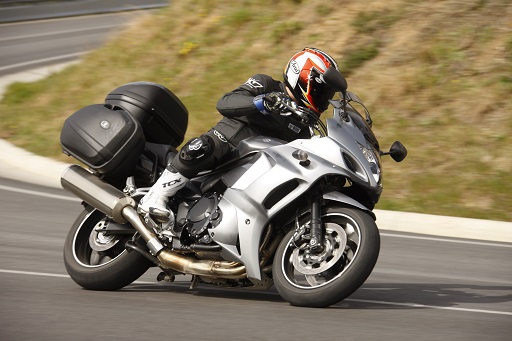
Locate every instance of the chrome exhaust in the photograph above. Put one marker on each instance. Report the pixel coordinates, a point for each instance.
(121, 208)
(181, 263)
(96, 192)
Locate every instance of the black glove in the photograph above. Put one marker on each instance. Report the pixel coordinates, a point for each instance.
(273, 103)
(277, 102)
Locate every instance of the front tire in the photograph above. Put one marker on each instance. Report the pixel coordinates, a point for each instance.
(351, 249)
(98, 261)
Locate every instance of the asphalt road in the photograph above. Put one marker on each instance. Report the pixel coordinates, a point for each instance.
(31, 44)
(422, 287)
(25, 10)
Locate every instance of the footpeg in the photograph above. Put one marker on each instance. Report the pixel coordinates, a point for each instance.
(156, 214)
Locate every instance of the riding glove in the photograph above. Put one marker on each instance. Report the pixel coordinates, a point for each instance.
(272, 103)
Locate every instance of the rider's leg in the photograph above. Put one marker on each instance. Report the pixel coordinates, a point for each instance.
(199, 154)
(155, 201)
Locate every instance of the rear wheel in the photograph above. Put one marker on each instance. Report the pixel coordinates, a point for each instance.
(97, 260)
(351, 248)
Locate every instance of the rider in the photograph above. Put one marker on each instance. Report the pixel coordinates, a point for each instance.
(252, 109)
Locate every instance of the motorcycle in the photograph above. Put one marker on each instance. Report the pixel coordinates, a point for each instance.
(295, 215)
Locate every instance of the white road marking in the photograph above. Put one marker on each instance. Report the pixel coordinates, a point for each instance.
(41, 194)
(445, 240)
(445, 276)
(413, 305)
(46, 274)
(410, 305)
(44, 60)
(48, 34)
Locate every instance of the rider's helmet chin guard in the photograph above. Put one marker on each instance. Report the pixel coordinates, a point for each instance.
(302, 77)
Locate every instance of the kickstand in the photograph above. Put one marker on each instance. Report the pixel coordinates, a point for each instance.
(194, 282)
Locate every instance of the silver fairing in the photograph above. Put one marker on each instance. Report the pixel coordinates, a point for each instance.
(276, 177)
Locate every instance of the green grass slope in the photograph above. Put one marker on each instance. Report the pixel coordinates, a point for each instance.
(435, 75)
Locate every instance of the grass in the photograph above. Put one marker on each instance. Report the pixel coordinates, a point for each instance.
(435, 75)
(355, 58)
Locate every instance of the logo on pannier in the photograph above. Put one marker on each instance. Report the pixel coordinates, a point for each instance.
(105, 124)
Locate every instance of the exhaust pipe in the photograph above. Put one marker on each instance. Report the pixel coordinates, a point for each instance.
(121, 208)
(95, 192)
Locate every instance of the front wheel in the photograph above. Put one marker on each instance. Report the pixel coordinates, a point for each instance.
(97, 260)
(351, 248)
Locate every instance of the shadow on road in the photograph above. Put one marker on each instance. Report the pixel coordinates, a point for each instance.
(269, 295)
(404, 295)
(445, 295)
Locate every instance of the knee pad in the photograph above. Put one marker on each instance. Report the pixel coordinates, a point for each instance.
(200, 154)
(196, 149)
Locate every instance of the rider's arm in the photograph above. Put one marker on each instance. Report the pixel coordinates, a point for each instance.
(240, 102)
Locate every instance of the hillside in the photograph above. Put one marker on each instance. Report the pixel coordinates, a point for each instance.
(435, 75)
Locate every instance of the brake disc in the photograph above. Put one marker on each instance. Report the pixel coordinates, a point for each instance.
(311, 264)
(98, 240)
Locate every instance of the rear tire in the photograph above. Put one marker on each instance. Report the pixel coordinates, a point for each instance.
(352, 244)
(97, 261)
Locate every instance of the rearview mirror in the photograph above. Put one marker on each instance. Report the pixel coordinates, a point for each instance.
(335, 80)
(397, 151)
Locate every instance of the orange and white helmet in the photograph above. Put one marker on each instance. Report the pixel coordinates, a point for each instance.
(302, 77)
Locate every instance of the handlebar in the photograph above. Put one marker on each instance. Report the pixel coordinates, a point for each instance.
(305, 115)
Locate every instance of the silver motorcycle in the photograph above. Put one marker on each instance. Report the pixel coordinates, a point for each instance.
(296, 215)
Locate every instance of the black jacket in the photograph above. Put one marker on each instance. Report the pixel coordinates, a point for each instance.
(242, 119)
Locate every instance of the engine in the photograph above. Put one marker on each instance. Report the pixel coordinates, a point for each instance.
(203, 215)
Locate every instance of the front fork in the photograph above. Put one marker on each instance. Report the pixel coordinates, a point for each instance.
(315, 241)
(314, 238)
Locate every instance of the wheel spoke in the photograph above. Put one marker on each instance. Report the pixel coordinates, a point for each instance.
(93, 246)
(95, 258)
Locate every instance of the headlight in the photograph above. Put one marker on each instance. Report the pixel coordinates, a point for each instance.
(372, 159)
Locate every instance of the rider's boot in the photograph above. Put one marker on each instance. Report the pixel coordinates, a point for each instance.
(154, 202)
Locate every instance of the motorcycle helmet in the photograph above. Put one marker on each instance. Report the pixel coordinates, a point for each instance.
(302, 77)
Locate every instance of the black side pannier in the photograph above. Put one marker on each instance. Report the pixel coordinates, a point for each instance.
(162, 115)
(105, 138)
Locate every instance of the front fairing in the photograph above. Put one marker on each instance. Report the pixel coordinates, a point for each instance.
(351, 144)
(363, 126)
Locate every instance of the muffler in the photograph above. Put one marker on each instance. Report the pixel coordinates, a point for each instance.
(96, 192)
(121, 208)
